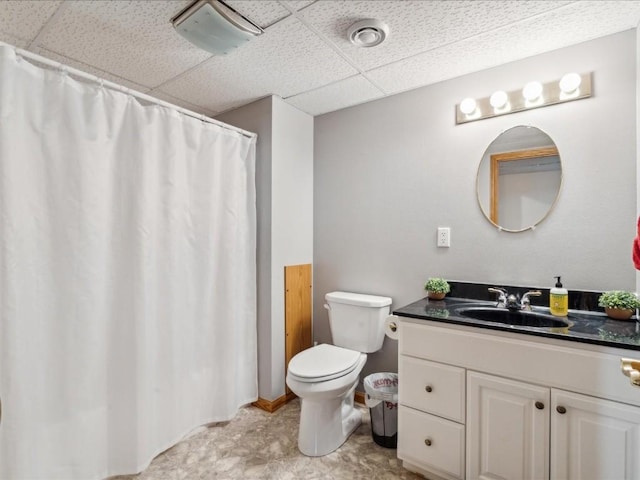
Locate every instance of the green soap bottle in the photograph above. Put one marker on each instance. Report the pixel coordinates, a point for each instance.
(559, 300)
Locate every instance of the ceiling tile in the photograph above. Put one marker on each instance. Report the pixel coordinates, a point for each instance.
(15, 41)
(23, 19)
(297, 4)
(415, 26)
(260, 12)
(304, 55)
(181, 103)
(563, 27)
(284, 61)
(89, 69)
(130, 39)
(342, 94)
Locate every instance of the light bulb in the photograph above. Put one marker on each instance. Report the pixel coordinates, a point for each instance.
(468, 106)
(570, 82)
(499, 99)
(532, 91)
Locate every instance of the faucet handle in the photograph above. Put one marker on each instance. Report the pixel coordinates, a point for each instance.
(502, 295)
(525, 302)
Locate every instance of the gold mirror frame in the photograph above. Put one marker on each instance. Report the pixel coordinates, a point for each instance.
(496, 159)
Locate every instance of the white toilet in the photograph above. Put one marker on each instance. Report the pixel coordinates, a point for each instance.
(325, 376)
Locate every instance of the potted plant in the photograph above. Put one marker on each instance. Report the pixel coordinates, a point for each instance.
(619, 304)
(437, 288)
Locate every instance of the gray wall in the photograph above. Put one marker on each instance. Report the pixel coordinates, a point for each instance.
(388, 173)
(284, 185)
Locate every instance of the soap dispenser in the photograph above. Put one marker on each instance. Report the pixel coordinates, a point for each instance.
(559, 300)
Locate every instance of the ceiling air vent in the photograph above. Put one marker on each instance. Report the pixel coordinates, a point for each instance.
(368, 33)
(214, 26)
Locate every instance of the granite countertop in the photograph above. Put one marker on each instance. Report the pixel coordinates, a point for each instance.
(585, 326)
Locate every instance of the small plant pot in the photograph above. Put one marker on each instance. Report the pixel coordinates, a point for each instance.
(436, 295)
(619, 313)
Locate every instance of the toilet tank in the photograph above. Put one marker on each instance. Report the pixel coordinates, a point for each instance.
(357, 320)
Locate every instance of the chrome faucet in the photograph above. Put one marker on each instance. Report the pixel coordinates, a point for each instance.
(514, 302)
(525, 302)
(502, 296)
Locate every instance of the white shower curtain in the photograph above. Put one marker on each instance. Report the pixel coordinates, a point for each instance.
(127, 276)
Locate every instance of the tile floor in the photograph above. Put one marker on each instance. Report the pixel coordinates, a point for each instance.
(260, 445)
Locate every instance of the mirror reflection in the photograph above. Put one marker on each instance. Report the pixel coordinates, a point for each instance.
(519, 178)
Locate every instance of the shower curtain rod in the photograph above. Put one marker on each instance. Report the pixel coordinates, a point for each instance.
(114, 86)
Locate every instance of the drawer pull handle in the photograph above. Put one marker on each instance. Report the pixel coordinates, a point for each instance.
(428, 388)
(427, 442)
(540, 405)
(631, 368)
(561, 410)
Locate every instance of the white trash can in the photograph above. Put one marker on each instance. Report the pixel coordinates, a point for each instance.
(382, 399)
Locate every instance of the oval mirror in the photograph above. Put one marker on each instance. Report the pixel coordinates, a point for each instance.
(519, 178)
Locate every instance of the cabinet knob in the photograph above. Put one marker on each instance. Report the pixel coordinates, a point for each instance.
(561, 410)
(427, 442)
(540, 405)
(428, 388)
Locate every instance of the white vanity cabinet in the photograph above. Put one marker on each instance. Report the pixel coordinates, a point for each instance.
(507, 428)
(592, 438)
(431, 416)
(483, 404)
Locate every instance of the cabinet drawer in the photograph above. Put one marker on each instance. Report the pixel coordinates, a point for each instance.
(589, 369)
(432, 387)
(445, 453)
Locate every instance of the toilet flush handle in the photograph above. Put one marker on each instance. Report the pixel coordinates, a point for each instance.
(326, 305)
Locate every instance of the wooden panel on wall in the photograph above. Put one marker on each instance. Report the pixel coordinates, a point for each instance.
(297, 310)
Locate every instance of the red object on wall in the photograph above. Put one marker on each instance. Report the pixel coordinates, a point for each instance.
(636, 247)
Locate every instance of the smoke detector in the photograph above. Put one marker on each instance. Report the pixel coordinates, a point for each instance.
(368, 33)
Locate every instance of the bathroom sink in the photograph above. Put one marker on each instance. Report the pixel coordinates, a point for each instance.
(521, 318)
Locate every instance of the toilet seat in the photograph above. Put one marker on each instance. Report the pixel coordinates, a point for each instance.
(323, 362)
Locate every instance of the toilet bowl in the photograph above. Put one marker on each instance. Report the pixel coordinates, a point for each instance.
(325, 376)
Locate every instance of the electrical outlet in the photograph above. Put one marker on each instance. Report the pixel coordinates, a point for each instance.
(444, 237)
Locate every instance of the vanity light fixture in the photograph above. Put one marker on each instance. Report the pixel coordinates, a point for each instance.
(570, 82)
(468, 106)
(532, 93)
(499, 101)
(572, 86)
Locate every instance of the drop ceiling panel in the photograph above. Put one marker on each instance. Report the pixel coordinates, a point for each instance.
(130, 39)
(15, 41)
(288, 59)
(564, 27)
(261, 12)
(415, 26)
(345, 93)
(297, 4)
(23, 19)
(184, 104)
(89, 69)
(304, 55)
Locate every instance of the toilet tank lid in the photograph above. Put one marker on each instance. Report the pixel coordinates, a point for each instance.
(359, 299)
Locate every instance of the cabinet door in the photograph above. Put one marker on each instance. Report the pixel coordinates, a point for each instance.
(592, 438)
(507, 429)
